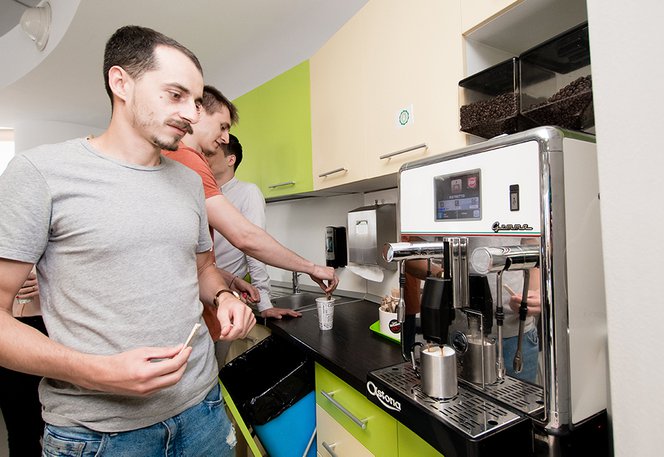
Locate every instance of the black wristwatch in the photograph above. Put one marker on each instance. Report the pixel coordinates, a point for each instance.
(228, 291)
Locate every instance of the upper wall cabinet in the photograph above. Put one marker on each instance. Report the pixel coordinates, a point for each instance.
(275, 132)
(339, 107)
(384, 90)
(416, 62)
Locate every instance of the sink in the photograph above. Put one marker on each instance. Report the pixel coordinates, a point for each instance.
(297, 301)
(306, 301)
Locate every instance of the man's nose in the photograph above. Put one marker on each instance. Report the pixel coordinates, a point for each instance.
(191, 112)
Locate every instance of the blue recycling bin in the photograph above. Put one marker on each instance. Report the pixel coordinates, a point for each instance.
(290, 433)
(272, 385)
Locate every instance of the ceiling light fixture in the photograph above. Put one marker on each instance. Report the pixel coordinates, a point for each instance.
(36, 23)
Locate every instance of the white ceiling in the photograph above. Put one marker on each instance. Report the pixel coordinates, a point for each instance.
(240, 43)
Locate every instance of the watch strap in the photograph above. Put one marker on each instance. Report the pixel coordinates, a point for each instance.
(221, 291)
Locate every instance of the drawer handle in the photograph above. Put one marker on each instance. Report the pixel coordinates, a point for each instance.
(362, 423)
(396, 153)
(281, 184)
(330, 448)
(331, 172)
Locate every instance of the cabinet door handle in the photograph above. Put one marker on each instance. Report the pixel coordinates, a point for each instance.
(330, 448)
(281, 184)
(331, 172)
(401, 151)
(362, 423)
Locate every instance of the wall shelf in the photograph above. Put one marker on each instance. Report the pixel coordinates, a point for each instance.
(518, 28)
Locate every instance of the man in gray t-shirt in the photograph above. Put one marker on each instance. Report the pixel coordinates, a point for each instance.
(120, 238)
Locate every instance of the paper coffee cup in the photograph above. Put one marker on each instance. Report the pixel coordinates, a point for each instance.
(325, 312)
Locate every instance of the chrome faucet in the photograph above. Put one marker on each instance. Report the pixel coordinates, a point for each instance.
(296, 283)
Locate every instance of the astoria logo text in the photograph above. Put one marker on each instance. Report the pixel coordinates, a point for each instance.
(385, 399)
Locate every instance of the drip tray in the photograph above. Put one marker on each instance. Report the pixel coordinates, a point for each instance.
(469, 412)
(518, 394)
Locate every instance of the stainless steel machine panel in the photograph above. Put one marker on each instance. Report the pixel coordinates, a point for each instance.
(540, 185)
(499, 171)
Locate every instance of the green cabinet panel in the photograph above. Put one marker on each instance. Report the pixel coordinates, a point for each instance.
(411, 445)
(275, 132)
(380, 433)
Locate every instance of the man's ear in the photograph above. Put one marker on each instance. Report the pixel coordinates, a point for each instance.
(231, 160)
(120, 82)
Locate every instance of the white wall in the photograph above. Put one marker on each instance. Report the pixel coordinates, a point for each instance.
(28, 134)
(19, 53)
(300, 226)
(625, 40)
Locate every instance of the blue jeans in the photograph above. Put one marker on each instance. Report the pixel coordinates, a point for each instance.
(203, 430)
(529, 355)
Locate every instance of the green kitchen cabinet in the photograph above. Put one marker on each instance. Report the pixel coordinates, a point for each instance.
(275, 132)
(350, 425)
(371, 427)
(411, 445)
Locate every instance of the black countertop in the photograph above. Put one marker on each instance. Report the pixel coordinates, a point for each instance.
(350, 350)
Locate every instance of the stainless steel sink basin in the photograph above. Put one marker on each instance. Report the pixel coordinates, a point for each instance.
(299, 301)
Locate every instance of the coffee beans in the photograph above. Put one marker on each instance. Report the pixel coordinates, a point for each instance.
(571, 107)
(491, 117)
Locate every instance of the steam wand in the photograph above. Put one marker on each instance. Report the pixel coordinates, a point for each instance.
(401, 306)
(400, 252)
(500, 259)
(500, 317)
(523, 311)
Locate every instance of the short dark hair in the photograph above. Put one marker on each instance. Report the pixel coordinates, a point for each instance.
(213, 100)
(132, 48)
(233, 148)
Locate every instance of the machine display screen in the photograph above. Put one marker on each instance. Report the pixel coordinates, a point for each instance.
(458, 196)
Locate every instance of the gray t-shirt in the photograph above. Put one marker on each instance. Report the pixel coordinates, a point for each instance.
(115, 246)
(248, 199)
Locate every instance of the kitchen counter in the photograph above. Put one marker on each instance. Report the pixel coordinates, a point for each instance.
(350, 350)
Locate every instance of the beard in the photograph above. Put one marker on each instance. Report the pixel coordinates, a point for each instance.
(166, 144)
(145, 120)
(172, 144)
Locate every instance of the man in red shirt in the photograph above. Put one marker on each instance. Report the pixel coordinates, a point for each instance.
(217, 116)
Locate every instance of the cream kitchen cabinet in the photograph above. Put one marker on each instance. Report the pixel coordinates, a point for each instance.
(416, 63)
(385, 82)
(334, 440)
(338, 108)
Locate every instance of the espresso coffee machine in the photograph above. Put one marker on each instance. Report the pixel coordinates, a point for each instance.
(499, 228)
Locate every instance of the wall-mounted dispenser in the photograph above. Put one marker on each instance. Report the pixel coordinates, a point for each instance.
(369, 228)
(335, 247)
